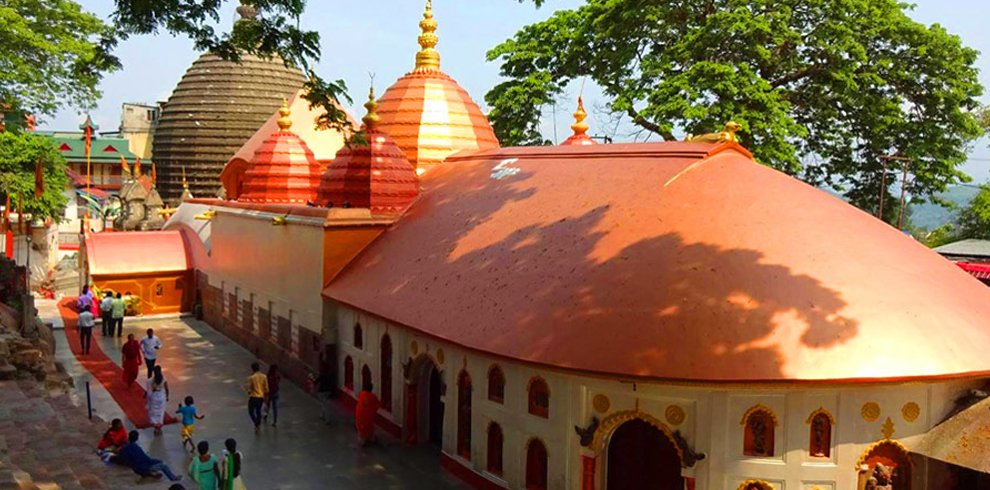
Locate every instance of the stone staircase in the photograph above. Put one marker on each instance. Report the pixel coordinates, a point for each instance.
(47, 443)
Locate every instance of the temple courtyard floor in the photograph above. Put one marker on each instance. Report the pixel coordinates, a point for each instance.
(304, 452)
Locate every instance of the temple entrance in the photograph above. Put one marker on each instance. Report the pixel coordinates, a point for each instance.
(641, 456)
(435, 422)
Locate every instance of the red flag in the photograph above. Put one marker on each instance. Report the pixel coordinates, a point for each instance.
(39, 180)
(154, 173)
(137, 167)
(124, 171)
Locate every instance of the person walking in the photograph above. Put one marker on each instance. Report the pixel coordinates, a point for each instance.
(189, 418)
(132, 456)
(131, 355)
(257, 389)
(271, 403)
(364, 414)
(85, 300)
(230, 467)
(117, 314)
(106, 314)
(204, 468)
(149, 349)
(157, 395)
(85, 325)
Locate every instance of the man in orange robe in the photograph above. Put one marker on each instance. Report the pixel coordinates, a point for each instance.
(364, 414)
(131, 352)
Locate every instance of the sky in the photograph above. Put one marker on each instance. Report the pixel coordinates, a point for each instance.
(379, 37)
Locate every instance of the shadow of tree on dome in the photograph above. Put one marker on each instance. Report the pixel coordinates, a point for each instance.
(554, 287)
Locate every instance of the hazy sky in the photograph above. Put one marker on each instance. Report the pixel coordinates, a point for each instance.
(379, 36)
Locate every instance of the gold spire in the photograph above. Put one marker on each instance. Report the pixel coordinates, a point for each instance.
(580, 127)
(371, 118)
(428, 58)
(185, 183)
(284, 123)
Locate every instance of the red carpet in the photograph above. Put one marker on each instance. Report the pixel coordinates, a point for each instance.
(109, 374)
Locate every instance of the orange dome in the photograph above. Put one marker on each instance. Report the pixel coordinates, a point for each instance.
(284, 169)
(374, 175)
(428, 114)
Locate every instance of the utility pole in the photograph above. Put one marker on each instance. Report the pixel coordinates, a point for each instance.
(906, 163)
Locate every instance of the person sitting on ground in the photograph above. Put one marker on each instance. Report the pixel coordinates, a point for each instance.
(133, 456)
(364, 414)
(114, 438)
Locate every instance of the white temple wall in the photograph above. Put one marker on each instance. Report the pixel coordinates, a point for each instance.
(712, 416)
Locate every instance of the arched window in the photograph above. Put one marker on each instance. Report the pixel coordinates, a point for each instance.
(366, 378)
(349, 373)
(539, 397)
(494, 465)
(358, 336)
(464, 415)
(820, 440)
(758, 435)
(386, 373)
(536, 465)
(496, 384)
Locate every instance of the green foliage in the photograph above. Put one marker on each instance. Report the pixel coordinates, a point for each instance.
(822, 88)
(19, 153)
(974, 220)
(52, 55)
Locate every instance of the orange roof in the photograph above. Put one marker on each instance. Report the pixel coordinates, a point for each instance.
(283, 169)
(676, 261)
(136, 252)
(428, 114)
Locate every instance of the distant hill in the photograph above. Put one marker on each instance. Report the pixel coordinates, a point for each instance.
(931, 216)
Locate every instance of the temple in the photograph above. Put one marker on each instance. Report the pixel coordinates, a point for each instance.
(586, 316)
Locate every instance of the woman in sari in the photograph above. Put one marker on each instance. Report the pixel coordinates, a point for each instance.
(157, 395)
(364, 414)
(204, 468)
(131, 353)
(230, 467)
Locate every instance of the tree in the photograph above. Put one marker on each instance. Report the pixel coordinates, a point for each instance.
(974, 220)
(19, 153)
(52, 55)
(822, 88)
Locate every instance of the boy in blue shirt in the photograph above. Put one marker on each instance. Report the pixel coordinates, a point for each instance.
(189, 418)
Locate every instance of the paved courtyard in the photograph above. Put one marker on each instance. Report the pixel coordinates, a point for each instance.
(302, 453)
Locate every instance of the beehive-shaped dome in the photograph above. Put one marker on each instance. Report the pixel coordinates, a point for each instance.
(215, 108)
(283, 170)
(373, 174)
(428, 114)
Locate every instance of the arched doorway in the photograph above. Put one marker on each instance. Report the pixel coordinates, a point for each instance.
(385, 386)
(895, 460)
(641, 456)
(435, 411)
(424, 402)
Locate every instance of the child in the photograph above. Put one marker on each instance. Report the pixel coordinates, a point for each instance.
(189, 418)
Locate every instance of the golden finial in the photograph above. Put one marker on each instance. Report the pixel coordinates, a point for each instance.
(284, 123)
(428, 58)
(185, 183)
(371, 118)
(579, 126)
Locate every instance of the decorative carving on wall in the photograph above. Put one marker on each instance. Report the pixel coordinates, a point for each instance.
(910, 411)
(690, 456)
(754, 485)
(675, 415)
(870, 411)
(756, 408)
(587, 434)
(612, 422)
(818, 411)
(883, 442)
(888, 428)
(601, 403)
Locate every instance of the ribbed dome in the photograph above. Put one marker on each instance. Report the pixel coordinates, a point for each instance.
(428, 114)
(375, 175)
(283, 170)
(217, 106)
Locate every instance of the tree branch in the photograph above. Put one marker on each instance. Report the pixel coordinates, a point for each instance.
(648, 125)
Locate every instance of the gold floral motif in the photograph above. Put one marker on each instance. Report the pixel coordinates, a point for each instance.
(870, 411)
(414, 347)
(873, 447)
(759, 483)
(759, 407)
(910, 411)
(675, 415)
(888, 428)
(439, 355)
(601, 403)
(822, 410)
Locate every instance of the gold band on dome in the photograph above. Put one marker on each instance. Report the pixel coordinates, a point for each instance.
(428, 58)
(284, 123)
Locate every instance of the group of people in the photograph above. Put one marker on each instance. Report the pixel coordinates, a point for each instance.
(111, 310)
(117, 446)
(263, 393)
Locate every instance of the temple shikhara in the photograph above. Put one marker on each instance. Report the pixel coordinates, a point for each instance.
(583, 316)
